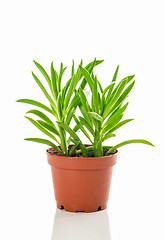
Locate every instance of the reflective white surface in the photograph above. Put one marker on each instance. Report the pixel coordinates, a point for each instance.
(81, 226)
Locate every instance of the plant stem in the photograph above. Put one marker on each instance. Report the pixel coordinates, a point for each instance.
(98, 149)
(63, 140)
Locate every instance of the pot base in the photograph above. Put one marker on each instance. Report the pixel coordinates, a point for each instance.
(87, 209)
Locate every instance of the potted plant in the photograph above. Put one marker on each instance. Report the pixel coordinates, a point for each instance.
(81, 172)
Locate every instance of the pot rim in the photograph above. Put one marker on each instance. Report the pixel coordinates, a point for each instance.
(87, 158)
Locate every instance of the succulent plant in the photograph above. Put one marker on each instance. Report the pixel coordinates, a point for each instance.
(101, 116)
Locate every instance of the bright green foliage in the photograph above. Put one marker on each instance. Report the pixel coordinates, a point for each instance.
(63, 101)
(104, 116)
(100, 117)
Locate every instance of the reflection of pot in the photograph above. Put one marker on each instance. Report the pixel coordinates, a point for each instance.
(81, 184)
(81, 226)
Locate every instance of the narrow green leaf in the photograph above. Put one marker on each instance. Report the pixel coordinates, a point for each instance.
(49, 127)
(90, 68)
(75, 129)
(116, 96)
(42, 129)
(41, 115)
(86, 115)
(69, 116)
(74, 103)
(82, 147)
(74, 148)
(65, 88)
(112, 85)
(111, 124)
(101, 89)
(75, 79)
(84, 100)
(59, 106)
(43, 141)
(96, 116)
(69, 130)
(72, 73)
(54, 82)
(128, 142)
(123, 96)
(95, 95)
(92, 64)
(62, 70)
(87, 77)
(102, 105)
(114, 115)
(82, 128)
(108, 135)
(44, 90)
(120, 124)
(86, 124)
(35, 103)
(44, 73)
(129, 78)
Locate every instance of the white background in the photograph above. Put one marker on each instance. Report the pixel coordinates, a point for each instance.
(128, 33)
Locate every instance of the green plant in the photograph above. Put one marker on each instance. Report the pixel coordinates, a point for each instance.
(103, 116)
(63, 102)
(100, 118)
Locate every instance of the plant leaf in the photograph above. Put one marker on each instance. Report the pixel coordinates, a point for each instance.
(44, 73)
(101, 89)
(90, 68)
(59, 106)
(43, 141)
(96, 116)
(102, 105)
(69, 116)
(117, 113)
(65, 88)
(54, 82)
(107, 136)
(72, 73)
(116, 96)
(95, 95)
(112, 84)
(82, 128)
(49, 127)
(62, 70)
(74, 103)
(123, 96)
(82, 147)
(44, 90)
(69, 130)
(87, 125)
(111, 124)
(87, 77)
(128, 142)
(42, 129)
(35, 103)
(74, 80)
(120, 124)
(75, 129)
(73, 149)
(84, 100)
(41, 115)
(86, 115)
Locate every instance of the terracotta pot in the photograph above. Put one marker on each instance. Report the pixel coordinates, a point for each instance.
(81, 184)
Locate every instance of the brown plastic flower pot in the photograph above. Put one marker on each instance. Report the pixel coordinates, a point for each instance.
(81, 184)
